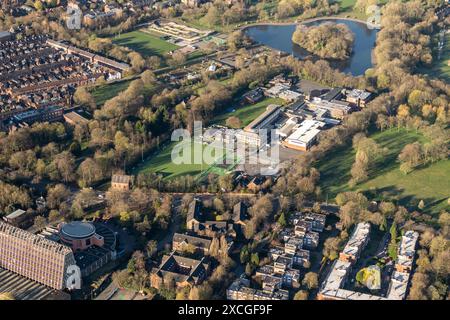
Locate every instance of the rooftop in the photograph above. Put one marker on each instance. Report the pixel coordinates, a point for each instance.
(272, 108)
(78, 230)
(359, 94)
(120, 178)
(15, 214)
(358, 239)
(34, 239)
(307, 131)
(336, 277)
(398, 285)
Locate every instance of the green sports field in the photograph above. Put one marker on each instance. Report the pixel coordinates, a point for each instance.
(162, 163)
(427, 183)
(144, 43)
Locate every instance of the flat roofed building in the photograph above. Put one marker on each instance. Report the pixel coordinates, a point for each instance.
(264, 120)
(356, 243)
(80, 235)
(17, 218)
(358, 97)
(287, 128)
(317, 220)
(304, 136)
(336, 278)
(343, 294)
(75, 118)
(289, 95)
(333, 94)
(34, 257)
(276, 90)
(406, 251)
(249, 138)
(398, 286)
(240, 290)
(337, 109)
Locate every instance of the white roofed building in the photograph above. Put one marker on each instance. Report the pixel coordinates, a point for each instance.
(304, 136)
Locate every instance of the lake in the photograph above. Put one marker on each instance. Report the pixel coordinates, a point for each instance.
(279, 37)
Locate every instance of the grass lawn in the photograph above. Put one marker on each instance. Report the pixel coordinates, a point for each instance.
(348, 9)
(105, 92)
(390, 183)
(144, 43)
(108, 91)
(246, 113)
(162, 163)
(440, 68)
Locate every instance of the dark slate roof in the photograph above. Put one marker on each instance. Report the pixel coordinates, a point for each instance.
(198, 242)
(182, 268)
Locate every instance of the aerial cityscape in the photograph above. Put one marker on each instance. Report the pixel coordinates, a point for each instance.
(224, 150)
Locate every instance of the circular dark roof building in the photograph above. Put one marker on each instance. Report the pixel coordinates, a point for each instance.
(77, 230)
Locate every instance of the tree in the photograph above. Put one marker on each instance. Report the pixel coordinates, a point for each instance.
(83, 97)
(359, 168)
(255, 259)
(151, 248)
(57, 195)
(244, 255)
(392, 248)
(234, 122)
(202, 292)
(178, 58)
(282, 220)
(38, 5)
(327, 40)
(212, 17)
(311, 280)
(410, 157)
(89, 172)
(331, 248)
(248, 269)
(121, 278)
(148, 78)
(419, 283)
(40, 222)
(301, 295)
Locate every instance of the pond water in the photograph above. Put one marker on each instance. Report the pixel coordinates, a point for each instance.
(279, 37)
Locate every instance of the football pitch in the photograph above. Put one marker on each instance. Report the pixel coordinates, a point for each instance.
(180, 159)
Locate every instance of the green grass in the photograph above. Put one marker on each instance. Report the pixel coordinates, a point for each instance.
(103, 93)
(162, 164)
(247, 113)
(144, 43)
(385, 178)
(440, 68)
(347, 5)
(348, 9)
